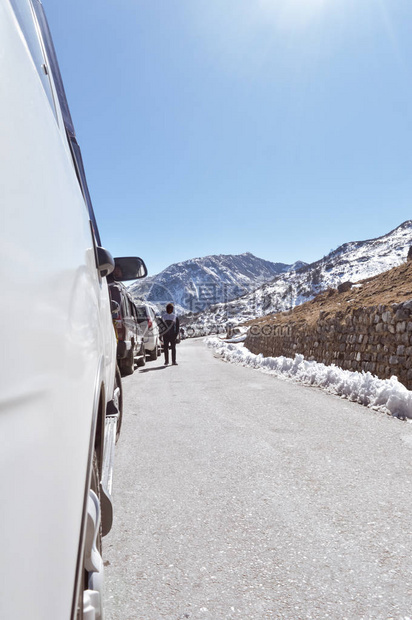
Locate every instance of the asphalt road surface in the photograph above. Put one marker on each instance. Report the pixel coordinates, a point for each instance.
(238, 495)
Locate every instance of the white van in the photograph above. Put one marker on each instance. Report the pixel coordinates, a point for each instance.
(59, 402)
(146, 314)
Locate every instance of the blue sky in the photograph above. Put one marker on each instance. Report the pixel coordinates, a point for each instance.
(279, 127)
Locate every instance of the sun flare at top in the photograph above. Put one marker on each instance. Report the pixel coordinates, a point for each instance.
(292, 12)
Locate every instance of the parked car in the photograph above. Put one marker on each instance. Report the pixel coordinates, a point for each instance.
(60, 401)
(129, 332)
(148, 321)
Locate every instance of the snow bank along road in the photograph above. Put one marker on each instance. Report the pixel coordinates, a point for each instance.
(386, 395)
(240, 495)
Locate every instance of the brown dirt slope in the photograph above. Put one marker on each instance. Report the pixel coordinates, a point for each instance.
(391, 287)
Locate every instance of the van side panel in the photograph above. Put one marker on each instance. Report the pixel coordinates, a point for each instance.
(56, 334)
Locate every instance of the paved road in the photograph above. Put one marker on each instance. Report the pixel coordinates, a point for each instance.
(242, 496)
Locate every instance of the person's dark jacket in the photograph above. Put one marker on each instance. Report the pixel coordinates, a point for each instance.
(171, 327)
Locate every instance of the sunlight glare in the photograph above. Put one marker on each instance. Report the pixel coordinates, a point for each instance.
(292, 13)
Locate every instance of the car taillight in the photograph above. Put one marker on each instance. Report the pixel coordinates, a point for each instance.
(149, 323)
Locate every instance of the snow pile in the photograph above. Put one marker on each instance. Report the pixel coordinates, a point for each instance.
(386, 395)
(241, 338)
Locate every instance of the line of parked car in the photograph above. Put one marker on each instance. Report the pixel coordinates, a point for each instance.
(137, 329)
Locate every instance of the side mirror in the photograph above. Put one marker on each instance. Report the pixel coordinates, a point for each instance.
(129, 268)
(105, 262)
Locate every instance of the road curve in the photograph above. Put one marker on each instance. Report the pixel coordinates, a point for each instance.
(238, 495)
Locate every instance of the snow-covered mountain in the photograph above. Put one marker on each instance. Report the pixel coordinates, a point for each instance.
(352, 261)
(195, 284)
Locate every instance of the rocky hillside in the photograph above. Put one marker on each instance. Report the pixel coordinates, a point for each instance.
(393, 287)
(195, 284)
(352, 262)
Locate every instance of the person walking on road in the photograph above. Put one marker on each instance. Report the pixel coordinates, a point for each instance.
(171, 321)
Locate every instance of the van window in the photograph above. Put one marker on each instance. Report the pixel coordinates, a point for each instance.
(141, 314)
(28, 24)
(125, 306)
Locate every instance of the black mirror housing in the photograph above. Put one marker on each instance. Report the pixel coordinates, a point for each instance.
(105, 262)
